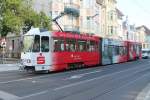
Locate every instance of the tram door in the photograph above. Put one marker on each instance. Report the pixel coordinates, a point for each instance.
(41, 52)
(45, 51)
(107, 55)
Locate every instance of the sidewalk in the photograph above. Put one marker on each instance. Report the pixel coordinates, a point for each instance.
(9, 64)
(145, 94)
(8, 67)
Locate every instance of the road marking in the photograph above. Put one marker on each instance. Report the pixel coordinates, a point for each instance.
(35, 94)
(15, 80)
(89, 80)
(8, 96)
(81, 75)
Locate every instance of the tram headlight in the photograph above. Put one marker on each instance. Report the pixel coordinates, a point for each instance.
(28, 61)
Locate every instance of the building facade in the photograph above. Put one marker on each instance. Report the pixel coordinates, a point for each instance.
(84, 15)
(144, 36)
(90, 16)
(132, 34)
(120, 24)
(68, 22)
(97, 17)
(109, 19)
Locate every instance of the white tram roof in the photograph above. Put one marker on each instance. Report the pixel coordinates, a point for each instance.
(37, 31)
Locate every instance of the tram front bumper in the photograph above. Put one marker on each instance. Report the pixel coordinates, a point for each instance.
(26, 68)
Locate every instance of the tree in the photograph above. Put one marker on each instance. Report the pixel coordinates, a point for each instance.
(16, 15)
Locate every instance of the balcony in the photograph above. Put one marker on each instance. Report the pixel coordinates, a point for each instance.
(100, 2)
(74, 29)
(72, 9)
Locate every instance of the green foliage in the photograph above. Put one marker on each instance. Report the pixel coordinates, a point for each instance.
(16, 15)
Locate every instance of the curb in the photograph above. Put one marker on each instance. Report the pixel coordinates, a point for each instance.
(10, 65)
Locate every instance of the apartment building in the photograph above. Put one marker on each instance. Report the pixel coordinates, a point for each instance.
(120, 24)
(144, 36)
(99, 17)
(83, 15)
(68, 22)
(109, 19)
(90, 16)
(132, 34)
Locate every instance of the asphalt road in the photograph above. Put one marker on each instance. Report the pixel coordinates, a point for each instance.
(126, 81)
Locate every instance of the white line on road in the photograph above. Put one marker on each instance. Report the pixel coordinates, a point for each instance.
(81, 75)
(33, 95)
(8, 96)
(89, 80)
(15, 80)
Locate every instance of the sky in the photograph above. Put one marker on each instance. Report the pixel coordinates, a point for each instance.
(138, 11)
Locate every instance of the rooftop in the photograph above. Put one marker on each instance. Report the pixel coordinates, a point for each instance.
(147, 30)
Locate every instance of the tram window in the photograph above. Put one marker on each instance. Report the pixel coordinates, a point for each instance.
(110, 49)
(132, 48)
(71, 45)
(105, 52)
(113, 50)
(36, 45)
(88, 46)
(58, 44)
(124, 50)
(116, 50)
(96, 46)
(140, 48)
(45, 44)
(137, 49)
(92, 46)
(121, 50)
(82, 45)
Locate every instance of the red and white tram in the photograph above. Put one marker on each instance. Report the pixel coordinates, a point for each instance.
(54, 51)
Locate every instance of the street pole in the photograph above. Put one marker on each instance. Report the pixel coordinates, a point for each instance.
(3, 55)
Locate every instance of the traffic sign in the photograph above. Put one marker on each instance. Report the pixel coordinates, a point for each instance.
(3, 43)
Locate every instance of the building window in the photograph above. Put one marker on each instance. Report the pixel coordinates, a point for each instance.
(50, 13)
(88, 3)
(143, 46)
(111, 16)
(111, 29)
(88, 23)
(13, 45)
(68, 1)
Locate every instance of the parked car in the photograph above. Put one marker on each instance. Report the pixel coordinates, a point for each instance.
(145, 53)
